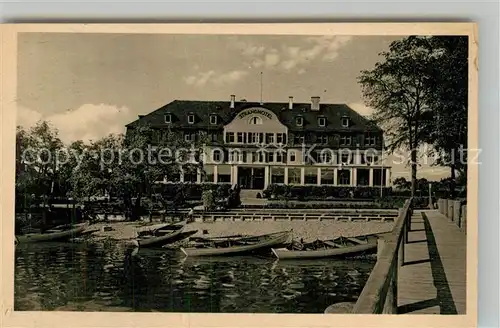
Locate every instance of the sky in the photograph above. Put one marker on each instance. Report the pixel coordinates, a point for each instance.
(90, 85)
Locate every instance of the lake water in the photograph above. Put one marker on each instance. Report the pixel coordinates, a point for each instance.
(106, 277)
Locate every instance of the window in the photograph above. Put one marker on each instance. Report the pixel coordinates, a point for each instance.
(344, 177)
(277, 175)
(280, 138)
(190, 118)
(240, 137)
(326, 157)
(345, 140)
(370, 140)
(310, 176)
(299, 139)
(258, 157)
(292, 156)
(255, 120)
(217, 155)
(345, 122)
(299, 121)
(322, 139)
(213, 137)
(279, 157)
(229, 137)
(168, 118)
(270, 157)
(254, 137)
(234, 156)
(213, 119)
(371, 159)
(321, 121)
(346, 159)
(187, 137)
(270, 138)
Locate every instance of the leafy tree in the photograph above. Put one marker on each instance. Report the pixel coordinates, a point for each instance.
(449, 90)
(397, 90)
(401, 183)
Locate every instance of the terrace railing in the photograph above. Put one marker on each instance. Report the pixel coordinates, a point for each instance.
(381, 289)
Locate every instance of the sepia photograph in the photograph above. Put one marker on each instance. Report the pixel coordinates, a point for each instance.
(244, 173)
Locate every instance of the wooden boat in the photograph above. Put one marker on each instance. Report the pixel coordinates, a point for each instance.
(162, 236)
(59, 233)
(236, 246)
(338, 247)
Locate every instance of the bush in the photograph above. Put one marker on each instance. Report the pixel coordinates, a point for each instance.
(208, 200)
(192, 191)
(292, 192)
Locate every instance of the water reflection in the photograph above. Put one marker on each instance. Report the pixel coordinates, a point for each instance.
(111, 278)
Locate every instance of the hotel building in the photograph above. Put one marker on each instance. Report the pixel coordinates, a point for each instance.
(256, 144)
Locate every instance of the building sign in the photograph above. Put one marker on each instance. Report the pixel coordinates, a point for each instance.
(260, 111)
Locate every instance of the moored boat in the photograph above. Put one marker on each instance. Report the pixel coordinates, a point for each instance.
(338, 247)
(162, 236)
(220, 246)
(59, 233)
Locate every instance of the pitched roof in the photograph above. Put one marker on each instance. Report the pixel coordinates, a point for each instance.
(181, 109)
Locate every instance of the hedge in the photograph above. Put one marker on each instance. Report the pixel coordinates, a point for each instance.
(279, 191)
(192, 191)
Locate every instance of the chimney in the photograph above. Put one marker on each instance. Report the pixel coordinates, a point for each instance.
(232, 101)
(315, 103)
(290, 102)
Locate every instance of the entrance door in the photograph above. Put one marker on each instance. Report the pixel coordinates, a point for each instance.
(258, 178)
(251, 177)
(245, 177)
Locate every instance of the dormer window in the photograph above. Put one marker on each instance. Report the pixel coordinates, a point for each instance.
(213, 119)
(321, 121)
(168, 118)
(345, 122)
(191, 119)
(299, 121)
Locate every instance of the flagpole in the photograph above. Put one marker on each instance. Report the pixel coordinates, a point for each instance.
(261, 87)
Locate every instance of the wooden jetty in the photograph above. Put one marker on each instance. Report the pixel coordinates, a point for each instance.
(421, 267)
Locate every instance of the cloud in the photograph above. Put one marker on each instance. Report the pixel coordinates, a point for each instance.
(199, 79)
(293, 56)
(361, 109)
(27, 117)
(88, 122)
(272, 59)
(203, 78)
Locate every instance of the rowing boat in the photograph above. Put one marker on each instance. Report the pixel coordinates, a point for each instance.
(162, 236)
(237, 246)
(338, 247)
(59, 233)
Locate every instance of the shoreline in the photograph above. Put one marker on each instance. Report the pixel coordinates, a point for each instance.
(306, 230)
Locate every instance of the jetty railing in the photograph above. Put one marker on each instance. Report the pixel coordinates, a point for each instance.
(381, 289)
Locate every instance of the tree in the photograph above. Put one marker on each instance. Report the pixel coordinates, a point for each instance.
(396, 89)
(449, 90)
(401, 183)
(38, 153)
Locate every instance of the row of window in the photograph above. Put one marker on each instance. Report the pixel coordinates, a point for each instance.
(327, 178)
(280, 157)
(255, 138)
(277, 138)
(191, 119)
(299, 120)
